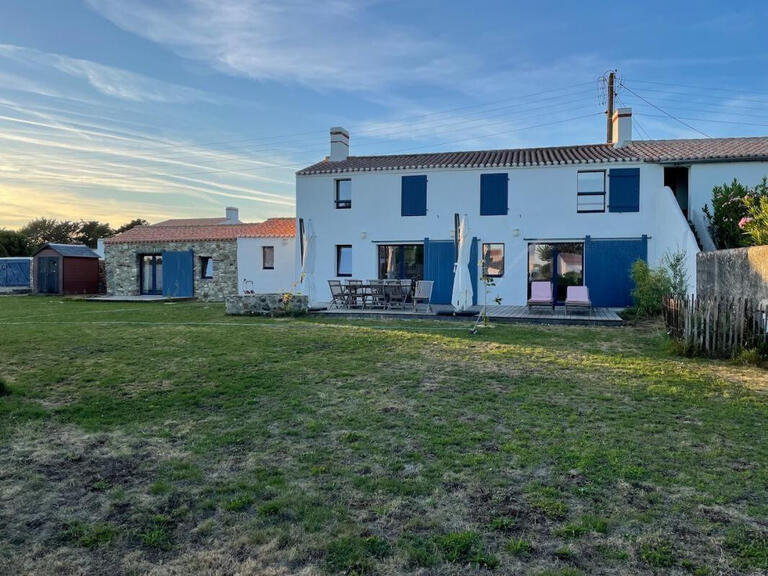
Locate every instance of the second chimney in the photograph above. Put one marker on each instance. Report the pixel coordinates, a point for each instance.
(233, 215)
(622, 127)
(339, 144)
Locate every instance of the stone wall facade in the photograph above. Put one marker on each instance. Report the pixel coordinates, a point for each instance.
(739, 272)
(266, 305)
(122, 267)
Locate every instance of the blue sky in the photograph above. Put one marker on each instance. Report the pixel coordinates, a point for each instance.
(116, 109)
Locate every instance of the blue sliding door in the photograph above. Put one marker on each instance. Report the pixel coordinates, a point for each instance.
(439, 260)
(178, 274)
(608, 264)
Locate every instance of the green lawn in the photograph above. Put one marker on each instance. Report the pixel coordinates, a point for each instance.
(171, 439)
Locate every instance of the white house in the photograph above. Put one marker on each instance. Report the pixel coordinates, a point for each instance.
(572, 214)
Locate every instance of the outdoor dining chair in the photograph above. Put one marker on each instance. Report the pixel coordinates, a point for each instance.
(423, 293)
(356, 293)
(339, 297)
(394, 294)
(377, 294)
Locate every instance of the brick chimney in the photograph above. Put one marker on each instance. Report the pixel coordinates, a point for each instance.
(339, 144)
(622, 127)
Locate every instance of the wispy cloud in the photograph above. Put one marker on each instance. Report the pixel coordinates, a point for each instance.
(107, 80)
(323, 44)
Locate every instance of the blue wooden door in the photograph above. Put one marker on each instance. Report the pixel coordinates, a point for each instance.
(439, 258)
(178, 274)
(438, 266)
(48, 274)
(607, 266)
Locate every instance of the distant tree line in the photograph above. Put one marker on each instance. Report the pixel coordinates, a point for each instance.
(27, 239)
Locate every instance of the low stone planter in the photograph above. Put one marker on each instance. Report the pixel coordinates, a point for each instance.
(266, 305)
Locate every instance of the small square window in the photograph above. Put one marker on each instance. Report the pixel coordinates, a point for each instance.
(590, 191)
(493, 260)
(206, 267)
(343, 194)
(268, 257)
(343, 260)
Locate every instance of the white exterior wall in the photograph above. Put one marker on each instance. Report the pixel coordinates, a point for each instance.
(671, 233)
(542, 206)
(703, 177)
(250, 266)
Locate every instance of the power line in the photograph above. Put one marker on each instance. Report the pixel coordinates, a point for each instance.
(709, 88)
(636, 121)
(708, 120)
(623, 85)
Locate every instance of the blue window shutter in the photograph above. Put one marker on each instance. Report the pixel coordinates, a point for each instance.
(624, 192)
(414, 196)
(493, 194)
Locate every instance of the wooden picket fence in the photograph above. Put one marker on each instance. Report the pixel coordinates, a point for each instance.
(719, 327)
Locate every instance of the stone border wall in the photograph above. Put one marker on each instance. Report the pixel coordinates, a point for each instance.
(266, 305)
(739, 272)
(122, 267)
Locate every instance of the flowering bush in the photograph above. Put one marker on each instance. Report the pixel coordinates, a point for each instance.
(730, 218)
(755, 225)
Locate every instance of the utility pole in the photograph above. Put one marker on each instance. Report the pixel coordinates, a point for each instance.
(609, 111)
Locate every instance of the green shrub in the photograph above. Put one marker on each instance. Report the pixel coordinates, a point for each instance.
(749, 357)
(729, 209)
(676, 266)
(5, 390)
(755, 224)
(651, 287)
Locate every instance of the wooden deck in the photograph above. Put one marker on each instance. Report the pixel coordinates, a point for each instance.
(512, 314)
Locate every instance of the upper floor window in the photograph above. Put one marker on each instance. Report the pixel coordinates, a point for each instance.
(206, 267)
(590, 190)
(343, 260)
(494, 194)
(493, 260)
(268, 257)
(413, 196)
(344, 193)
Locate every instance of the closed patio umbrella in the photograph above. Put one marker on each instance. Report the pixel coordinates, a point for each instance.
(306, 276)
(462, 281)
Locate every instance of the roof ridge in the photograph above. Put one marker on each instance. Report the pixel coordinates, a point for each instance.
(748, 148)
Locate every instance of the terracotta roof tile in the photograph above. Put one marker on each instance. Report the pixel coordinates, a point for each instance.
(271, 228)
(701, 150)
(191, 222)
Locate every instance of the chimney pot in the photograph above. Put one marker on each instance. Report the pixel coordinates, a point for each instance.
(622, 127)
(339, 144)
(233, 215)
